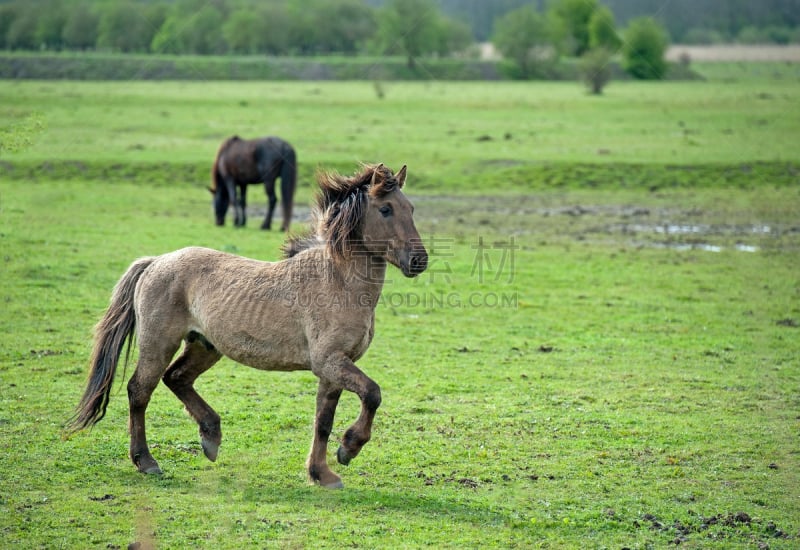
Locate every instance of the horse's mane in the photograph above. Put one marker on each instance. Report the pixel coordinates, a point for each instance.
(339, 208)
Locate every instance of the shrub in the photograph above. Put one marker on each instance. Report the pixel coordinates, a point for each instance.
(596, 69)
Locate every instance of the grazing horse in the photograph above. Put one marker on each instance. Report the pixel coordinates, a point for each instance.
(240, 162)
(314, 310)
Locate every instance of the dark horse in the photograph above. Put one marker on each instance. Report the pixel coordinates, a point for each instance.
(314, 310)
(240, 162)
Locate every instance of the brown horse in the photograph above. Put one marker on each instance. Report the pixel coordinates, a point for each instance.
(240, 162)
(314, 310)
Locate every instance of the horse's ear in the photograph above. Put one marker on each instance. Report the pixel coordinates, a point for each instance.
(377, 169)
(401, 177)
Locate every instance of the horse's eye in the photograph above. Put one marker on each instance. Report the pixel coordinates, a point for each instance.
(385, 211)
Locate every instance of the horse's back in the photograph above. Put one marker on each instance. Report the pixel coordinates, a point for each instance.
(272, 151)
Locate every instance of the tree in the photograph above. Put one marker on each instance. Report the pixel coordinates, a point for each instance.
(242, 32)
(80, 28)
(408, 27)
(348, 25)
(275, 29)
(201, 32)
(644, 48)
(169, 38)
(50, 25)
(126, 27)
(602, 30)
(190, 28)
(575, 16)
(8, 13)
(452, 36)
(21, 33)
(523, 36)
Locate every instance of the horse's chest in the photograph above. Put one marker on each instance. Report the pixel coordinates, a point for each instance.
(360, 345)
(352, 338)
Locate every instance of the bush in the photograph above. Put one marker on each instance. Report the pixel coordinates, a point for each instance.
(644, 48)
(596, 69)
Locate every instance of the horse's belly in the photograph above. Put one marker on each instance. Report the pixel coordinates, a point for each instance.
(266, 354)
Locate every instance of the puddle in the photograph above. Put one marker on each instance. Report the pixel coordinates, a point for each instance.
(706, 247)
(698, 233)
(676, 229)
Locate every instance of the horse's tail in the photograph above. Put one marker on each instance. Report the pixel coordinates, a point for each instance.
(111, 333)
(216, 177)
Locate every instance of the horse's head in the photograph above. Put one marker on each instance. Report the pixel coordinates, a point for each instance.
(220, 202)
(369, 213)
(388, 228)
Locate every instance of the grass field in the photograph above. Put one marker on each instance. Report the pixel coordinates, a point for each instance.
(605, 357)
(456, 136)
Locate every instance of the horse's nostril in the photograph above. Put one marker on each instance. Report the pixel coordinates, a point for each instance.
(419, 263)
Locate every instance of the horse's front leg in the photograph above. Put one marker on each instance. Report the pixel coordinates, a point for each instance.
(317, 463)
(340, 370)
(233, 199)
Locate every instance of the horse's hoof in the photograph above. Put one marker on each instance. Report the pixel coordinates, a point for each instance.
(334, 485)
(210, 449)
(145, 464)
(342, 456)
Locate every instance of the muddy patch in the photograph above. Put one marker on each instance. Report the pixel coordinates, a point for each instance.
(657, 223)
(654, 222)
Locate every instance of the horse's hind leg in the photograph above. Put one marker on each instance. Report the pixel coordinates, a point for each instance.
(198, 356)
(241, 206)
(272, 200)
(140, 387)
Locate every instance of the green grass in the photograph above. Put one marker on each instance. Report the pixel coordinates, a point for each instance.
(619, 384)
(740, 71)
(454, 136)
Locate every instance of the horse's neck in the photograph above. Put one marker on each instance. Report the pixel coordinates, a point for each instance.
(363, 274)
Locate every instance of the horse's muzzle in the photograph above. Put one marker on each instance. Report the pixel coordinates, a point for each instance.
(417, 263)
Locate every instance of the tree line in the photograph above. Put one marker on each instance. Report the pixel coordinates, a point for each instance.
(686, 21)
(212, 27)
(311, 27)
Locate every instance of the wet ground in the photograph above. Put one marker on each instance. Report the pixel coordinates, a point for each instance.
(710, 223)
(657, 222)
